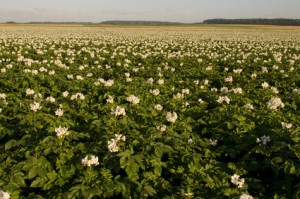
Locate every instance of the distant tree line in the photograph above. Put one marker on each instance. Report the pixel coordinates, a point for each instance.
(279, 21)
(141, 23)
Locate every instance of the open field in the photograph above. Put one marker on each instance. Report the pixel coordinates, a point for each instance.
(149, 112)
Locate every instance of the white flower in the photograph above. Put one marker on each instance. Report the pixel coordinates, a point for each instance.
(249, 106)
(265, 85)
(286, 125)
(35, 106)
(79, 96)
(185, 104)
(61, 131)
(214, 90)
(253, 75)
(224, 90)
(296, 91)
(113, 143)
(2, 96)
(37, 96)
(206, 81)
(81, 67)
(65, 94)
(160, 81)
(133, 99)
(213, 142)
(188, 194)
(237, 90)
(223, 100)
(171, 117)
(29, 91)
(158, 107)
(0, 110)
(70, 76)
(274, 89)
(200, 101)
(150, 81)
(155, 92)
(50, 99)
(52, 72)
(178, 96)
(108, 83)
(161, 128)
(4, 195)
(118, 111)
(59, 112)
(235, 179)
(190, 141)
(90, 160)
(196, 82)
(246, 196)
(128, 79)
(127, 74)
(229, 79)
(275, 103)
(110, 99)
(185, 91)
(34, 72)
(264, 139)
(264, 69)
(79, 77)
(237, 71)
(208, 68)
(89, 75)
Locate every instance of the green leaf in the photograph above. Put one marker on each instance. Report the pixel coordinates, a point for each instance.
(33, 172)
(149, 190)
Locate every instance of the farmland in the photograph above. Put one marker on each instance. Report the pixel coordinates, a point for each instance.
(168, 112)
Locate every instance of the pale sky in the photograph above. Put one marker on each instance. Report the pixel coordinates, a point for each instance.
(151, 10)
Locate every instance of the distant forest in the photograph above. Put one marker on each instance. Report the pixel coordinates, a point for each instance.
(258, 21)
(142, 23)
(279, 21)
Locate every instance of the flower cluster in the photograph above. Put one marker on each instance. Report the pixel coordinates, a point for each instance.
(236, 180)
(158, 107)
(155, 92)
(133, 99)
(77, 96)
(61, 131)
(35, 106)
(213, 142)
(223, 100)
(29, 91)
(118, 111)
(113, 143)
(171, 117)
(275, 103)
(90, 160)
(4, 195)
(50, 99)
(246, 196)
(249, 106)
(286, 125)
(110, 99)
(59, 112)
(162, 128)
(264, 139)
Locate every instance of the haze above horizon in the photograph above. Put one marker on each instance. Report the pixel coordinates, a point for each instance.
(188, 11)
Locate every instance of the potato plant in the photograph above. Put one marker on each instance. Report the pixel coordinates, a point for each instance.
(89, 112)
